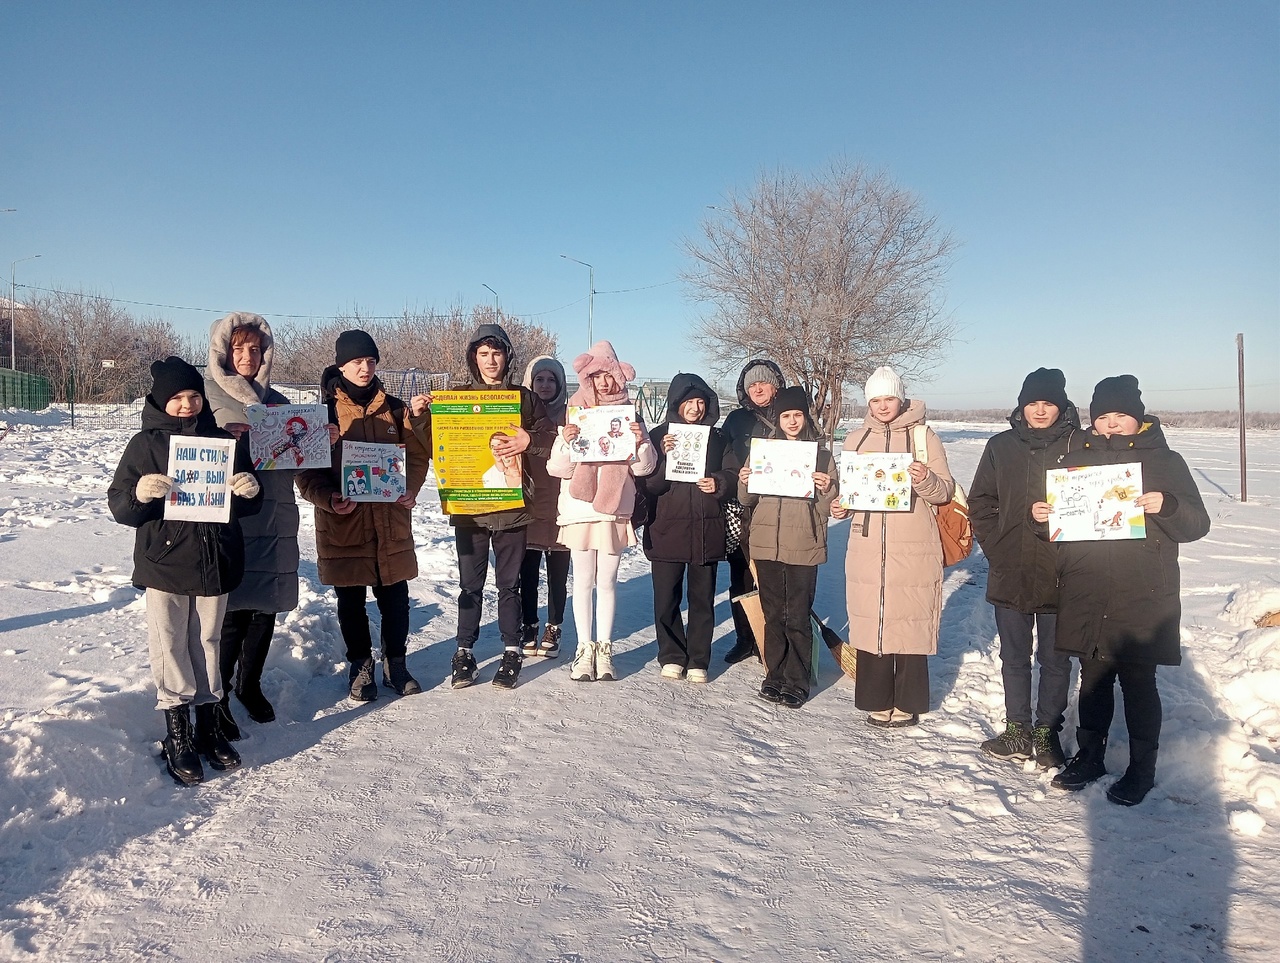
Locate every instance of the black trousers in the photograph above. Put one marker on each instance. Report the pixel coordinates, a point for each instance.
(740, 582)
(883, 682)
(246, 637)
(1143, 712)
(676, 647)
(786, 596)
(473, 568)
(557, 584)
(353, 619)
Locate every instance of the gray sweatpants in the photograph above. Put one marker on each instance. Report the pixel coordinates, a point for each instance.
(183, 634)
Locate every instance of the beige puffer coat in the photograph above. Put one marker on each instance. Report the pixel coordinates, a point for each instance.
(791, 530)
(893, 568)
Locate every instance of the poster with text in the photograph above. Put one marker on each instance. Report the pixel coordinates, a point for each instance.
(687, 461)
(201, 470)
(875, 482)
(373, 472)
(604, 433)
(474, 479)
(1095, 504)
(780, 467)
(288, 436)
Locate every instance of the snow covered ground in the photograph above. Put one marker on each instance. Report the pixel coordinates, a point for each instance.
(639, 820)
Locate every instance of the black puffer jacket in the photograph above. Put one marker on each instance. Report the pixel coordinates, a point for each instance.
(183, 558)
(743, 424)
(1120, 600)
(1010, 477)
(685, 524)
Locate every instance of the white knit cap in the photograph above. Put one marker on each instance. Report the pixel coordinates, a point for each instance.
(884, 383)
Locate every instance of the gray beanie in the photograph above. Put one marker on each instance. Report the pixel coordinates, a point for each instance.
(757, 372)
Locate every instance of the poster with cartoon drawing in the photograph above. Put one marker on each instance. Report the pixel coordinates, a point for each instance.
(875, 482)
(604, 433)
(781, 467)
(201, 470)
(288, 436)
(687, 461)
(1095, 504)
(372, 472)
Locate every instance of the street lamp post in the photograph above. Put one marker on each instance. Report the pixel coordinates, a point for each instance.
(495, 300)
(591, 294)
(13, 311)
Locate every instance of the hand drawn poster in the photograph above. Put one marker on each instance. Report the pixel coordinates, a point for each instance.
(373, 472)
(604, 433)
(1095, 504)
(687, 461)
(466, 426)
(780, 467)
(288, 436)
(875, 482)
(201, 470)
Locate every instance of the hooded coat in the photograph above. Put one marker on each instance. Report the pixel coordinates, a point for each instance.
(747, 422)
(543, 533)
(271, 536)
(1023, 572)
(372, 545)
(685, 524)
(893, 566)
(179, 557)
(1119, 600)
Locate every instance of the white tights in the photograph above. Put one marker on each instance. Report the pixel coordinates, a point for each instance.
(596, 570)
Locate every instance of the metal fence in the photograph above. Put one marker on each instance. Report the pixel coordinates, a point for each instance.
(19, 389)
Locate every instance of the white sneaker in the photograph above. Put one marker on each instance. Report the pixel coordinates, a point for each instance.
(696, 675)
(672, 671)
(583, 668)
(604, 661)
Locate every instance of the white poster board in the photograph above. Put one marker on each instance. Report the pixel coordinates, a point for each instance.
(604, 433)
(201, 470)
(372, 472)
(877, 482)
(1095, 504)
(288, 436)
(687, 461)
(780, 467)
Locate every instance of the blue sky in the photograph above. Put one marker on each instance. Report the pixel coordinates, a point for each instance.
(1111, 171)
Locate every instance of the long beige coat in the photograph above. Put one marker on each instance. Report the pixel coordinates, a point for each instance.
(893, 568)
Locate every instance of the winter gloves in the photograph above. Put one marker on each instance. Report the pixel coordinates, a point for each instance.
(244, 485)
(151, 487)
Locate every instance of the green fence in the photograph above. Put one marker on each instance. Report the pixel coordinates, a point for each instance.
(21, 390)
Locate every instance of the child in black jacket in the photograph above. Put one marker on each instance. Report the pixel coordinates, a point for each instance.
(186, 567)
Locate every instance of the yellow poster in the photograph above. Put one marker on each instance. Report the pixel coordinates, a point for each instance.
(474, 479)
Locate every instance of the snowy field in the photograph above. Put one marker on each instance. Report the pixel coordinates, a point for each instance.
(638, 820)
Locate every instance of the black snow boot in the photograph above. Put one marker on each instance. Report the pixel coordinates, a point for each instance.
(210, 740)
(253, 659)
(227, 722)
(396, 677)
(1139, 779)
(360, 678)
(179, 748)
(743, 648)
(1087, 766)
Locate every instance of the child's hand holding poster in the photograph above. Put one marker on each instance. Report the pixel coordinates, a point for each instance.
(372, 472)
(1095, 504)
(604, 433)
(687, 461)
(288, 436)
(201, 473)
(780, 467)
(876, 482)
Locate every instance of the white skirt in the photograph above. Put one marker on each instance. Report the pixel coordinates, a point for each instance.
(608, 537)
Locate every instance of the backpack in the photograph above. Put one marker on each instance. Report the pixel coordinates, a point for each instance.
(954, 529)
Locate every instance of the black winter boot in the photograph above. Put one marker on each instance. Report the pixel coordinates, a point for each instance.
(179, 748)
(253, 659)
(743, 648)
(395, 675)
(1138, 780)
(210, 740)
(227, 722)
(1088, 765)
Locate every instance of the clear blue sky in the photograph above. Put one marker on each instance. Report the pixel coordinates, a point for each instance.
(1110, 169)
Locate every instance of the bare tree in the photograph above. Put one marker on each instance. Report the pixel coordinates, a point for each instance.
(830, 277)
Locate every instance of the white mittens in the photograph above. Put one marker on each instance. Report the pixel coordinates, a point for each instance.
(244, 485)
(151, 487)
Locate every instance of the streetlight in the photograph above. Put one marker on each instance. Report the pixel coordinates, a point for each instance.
(495, 300)
(591, 294)
(13, 312)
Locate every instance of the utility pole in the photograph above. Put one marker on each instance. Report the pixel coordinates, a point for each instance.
(1244, 484)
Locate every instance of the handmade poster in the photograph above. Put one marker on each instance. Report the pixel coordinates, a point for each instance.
(473, 479)
(1095, 504)
(780, 467)
(373, 472)
(875, 482)
(604, 433)
(201, 470)
(687, 461)
(288, 436)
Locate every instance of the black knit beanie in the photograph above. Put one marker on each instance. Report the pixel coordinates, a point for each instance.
(794, 398)
(172, 375)
(1117, 394)
(1045, 384)
(352, 345)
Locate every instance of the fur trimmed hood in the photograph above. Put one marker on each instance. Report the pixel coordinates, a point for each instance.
(220, 368)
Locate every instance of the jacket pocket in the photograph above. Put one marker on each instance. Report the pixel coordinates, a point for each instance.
(164, 542)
